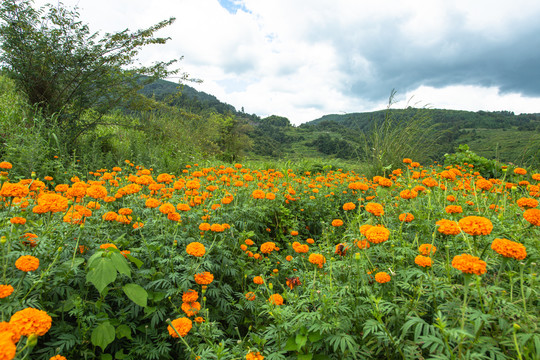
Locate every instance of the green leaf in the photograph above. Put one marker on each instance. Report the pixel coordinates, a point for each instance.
(120, 355)
(300, 341)
(314, 337)
(136, 293)
(291, 344)
(103, 335)
(138, 263)
(106, 357)
(120, 263)
(123, 331)
(305, 357)
(102, 274)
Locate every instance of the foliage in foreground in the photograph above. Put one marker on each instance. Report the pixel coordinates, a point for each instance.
(230, 262)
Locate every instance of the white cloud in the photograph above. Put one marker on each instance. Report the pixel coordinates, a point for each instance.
(304, 59)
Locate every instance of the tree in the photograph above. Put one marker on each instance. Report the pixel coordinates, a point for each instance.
(65, 70)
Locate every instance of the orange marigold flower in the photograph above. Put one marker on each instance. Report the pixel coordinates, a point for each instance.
(484, 184)
(258, 280)
(217, 228)
(190, 296)
(13, 190)
(423, 261)
(310, 241)
(294, 233)
(152, 203)
(527, 203)
(5, 165)
(107, 246)
(429, 182)
(532, 216)
(337, 222)
(349, 206)
(382, 277)
(364, 228)
(406, 217)
(27, 263)
(448, 227)
(453, 209)
(204, 227)
(384, 182)
(174, 216)
(451, 198)
(193, 184)
(317, 259)
(125, 211)
(288, 258)
(408, 194)
(520, 171)
(249, 242)
(196, 249)
(204, 278)
(110, 216)
(5, 291)
(182, 325)
(17, 220)
(167, 208)
(276, 299)
(427, 249)
(183, 207)
(300, 248)
(31, 321)
(96, 192)
(258, 194)
(375, 208)
(476, 225)
(363, 244)
(254, 356)
(53, 202)
(199, 320)
(250, 296)
(268, 247)
(509, 249)
(191, 309)
(7, 347)
(58, 357)
(469, 264)
(377, 234)
(407, 161)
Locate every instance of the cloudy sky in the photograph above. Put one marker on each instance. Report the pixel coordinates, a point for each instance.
(306, 58)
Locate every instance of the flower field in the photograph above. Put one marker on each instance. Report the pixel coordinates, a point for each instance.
(235, 262)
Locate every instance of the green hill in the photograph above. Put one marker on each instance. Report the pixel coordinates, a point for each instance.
(498, 135)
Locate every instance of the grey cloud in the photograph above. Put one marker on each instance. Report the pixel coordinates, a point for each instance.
(461, 58)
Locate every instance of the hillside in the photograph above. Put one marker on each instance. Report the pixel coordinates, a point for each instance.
(501, 135)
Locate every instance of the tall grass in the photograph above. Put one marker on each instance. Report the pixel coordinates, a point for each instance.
(392, 139)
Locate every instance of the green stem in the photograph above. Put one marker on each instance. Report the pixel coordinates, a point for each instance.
(521, 282)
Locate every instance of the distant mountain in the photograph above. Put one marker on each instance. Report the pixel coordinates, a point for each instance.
(445, 119)
(186, 97)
